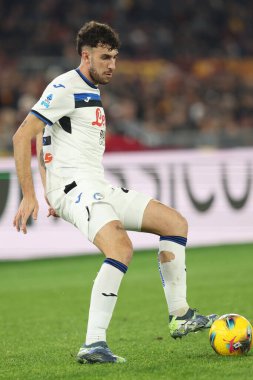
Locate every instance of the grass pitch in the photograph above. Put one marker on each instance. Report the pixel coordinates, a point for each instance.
(44, 306)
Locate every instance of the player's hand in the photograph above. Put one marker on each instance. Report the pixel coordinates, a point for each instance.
(28, 206)
(51, 210)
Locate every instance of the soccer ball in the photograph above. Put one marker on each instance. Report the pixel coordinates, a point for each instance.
(231, 335)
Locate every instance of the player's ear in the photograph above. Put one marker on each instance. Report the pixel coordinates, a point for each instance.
(86, 56)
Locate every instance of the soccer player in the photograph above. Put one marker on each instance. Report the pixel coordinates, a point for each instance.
(71, 116)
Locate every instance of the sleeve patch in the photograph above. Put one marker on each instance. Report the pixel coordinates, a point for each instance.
(46, 102)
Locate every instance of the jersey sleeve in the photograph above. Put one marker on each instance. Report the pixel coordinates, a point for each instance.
(56, 101)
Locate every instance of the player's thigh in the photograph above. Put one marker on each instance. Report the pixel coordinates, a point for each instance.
(88, 218)
(163, 220)
(129, 205)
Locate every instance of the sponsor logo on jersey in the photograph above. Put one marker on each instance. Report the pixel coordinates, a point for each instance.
(98, 196)
(48, 158)
(87, 99)
(100, 118)
(46, 102)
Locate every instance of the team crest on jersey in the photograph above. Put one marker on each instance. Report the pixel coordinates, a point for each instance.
(46, 102)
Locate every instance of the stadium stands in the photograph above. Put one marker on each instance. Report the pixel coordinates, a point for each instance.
(185, 77)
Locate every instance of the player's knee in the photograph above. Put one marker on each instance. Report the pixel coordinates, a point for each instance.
(176, 224)
(124, 251)
(120, 247)
(182, 225)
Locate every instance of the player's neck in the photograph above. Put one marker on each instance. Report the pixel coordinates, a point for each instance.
(86, 73)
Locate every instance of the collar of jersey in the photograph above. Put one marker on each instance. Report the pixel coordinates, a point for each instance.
(85, 79)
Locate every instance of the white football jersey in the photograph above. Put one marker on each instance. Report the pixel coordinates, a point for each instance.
(74, 135)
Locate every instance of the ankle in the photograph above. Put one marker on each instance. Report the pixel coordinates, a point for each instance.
(182, 312)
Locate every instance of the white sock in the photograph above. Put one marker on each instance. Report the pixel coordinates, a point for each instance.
(103, 299)
(173, 274)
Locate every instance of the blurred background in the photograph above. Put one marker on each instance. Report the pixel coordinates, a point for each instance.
(182, 94)
(184, 78)
(180, 125)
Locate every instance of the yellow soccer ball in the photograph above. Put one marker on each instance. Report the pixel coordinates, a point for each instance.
(231, 335)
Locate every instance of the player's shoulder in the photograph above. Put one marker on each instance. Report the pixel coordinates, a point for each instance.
(64, 81)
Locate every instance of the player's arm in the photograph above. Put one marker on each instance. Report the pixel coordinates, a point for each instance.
(28, 130)
(39, 151)
(42, 169)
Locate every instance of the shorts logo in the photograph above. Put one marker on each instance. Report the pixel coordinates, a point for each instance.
(98, 196)
(48, 158)
(78, 198)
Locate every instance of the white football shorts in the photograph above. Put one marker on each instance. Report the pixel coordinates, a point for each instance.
(91, 206)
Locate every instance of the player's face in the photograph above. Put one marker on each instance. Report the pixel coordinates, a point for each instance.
(102, 64)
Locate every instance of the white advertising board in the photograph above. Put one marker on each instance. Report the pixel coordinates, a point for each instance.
(212, 189)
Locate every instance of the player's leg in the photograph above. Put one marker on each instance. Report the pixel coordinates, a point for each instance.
(115, 244)
(101, 225)
(172, 228)
(141, 213)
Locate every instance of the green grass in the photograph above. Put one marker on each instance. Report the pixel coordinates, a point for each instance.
(44, 306)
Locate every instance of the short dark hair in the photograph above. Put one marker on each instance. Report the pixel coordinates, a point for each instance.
(94, 33)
